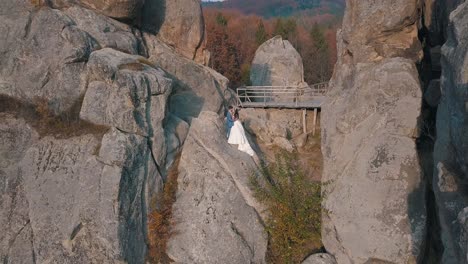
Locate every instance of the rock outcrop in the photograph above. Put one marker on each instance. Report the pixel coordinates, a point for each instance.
(84, 197)
(451, 148)
(374, 184)
(215, 212)
(277, 63)
(197, 88)
(180, 24)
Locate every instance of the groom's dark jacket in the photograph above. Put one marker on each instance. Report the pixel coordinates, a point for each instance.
(229, 121)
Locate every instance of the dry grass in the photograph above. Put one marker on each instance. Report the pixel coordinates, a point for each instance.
(145, 61)
(40, 116)
(160, 220)
(294, 205)
(134, 66)
(38, 3)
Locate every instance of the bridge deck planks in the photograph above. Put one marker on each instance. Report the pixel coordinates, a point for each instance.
(311, 104)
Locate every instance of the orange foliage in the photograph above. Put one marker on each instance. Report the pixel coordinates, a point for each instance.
(160, 219)
(234, 43)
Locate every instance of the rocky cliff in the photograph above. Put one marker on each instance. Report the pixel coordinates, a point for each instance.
(97, 98)
(391, 197)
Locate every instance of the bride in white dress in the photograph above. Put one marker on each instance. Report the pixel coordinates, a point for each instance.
(238, 137)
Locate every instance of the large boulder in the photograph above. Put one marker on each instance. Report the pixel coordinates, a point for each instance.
(277, 63)
(196, 87)
(375, 204)
(451, 148)
(373, 181)
(216, 217)
(86, 199)
(127, 93)
(178, 23)
(374, 30)
(75, 200)
(43, 55)
(44, 52)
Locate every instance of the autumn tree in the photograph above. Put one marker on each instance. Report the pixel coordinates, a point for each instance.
(224, 58)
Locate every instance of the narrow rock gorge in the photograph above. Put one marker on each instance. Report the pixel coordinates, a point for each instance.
(98, 99)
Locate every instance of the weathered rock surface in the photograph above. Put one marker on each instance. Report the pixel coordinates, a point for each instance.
(178, 23)
(126, 93)
(451, 148)
(109, 33)
(16, 239)
(277, 63)
(371, 165)
(196, 87)
(43, 55)
(370, 124)
(126, 10)
(84, 199)
(374, 30)
(321, 258)
(268, 124)
(215, 213)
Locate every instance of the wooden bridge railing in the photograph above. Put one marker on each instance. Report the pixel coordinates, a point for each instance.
(281, 96)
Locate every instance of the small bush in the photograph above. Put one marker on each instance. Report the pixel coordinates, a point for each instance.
(160, 220)
(294, 206)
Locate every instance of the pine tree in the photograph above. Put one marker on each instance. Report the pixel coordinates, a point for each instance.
(261, 35)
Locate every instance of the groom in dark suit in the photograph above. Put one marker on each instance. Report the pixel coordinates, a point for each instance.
(229, 120)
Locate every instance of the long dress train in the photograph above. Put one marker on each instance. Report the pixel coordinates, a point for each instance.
(238, 137)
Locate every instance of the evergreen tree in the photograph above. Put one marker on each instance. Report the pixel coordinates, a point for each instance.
(318, 38)
(261, 35)
(221, 20)
(320, 55)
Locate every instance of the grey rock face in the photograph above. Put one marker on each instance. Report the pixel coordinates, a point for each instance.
(45, 52)
(371, 165)
(109, 33)
(277, 63)
(196, 87)
(268, 124)
(320, 259)
(451, 148)
(84, 206)
(215, 213)
(122, 90)
(120, 9)
(369, 126)
(43, 55)
(16, 239)
(378, 29)
(178, 23)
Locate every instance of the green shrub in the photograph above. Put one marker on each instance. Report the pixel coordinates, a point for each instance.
(294, 206)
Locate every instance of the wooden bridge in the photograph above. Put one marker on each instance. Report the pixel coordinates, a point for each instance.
(292, 97)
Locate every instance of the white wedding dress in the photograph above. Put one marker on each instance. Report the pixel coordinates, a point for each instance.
(237, 137)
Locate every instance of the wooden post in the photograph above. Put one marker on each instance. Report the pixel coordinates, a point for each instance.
(315, 121)
(304, 115)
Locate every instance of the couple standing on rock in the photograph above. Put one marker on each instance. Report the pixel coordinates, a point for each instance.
(235, 131)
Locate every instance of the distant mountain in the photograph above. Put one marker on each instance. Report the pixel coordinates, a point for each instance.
(282, 8)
